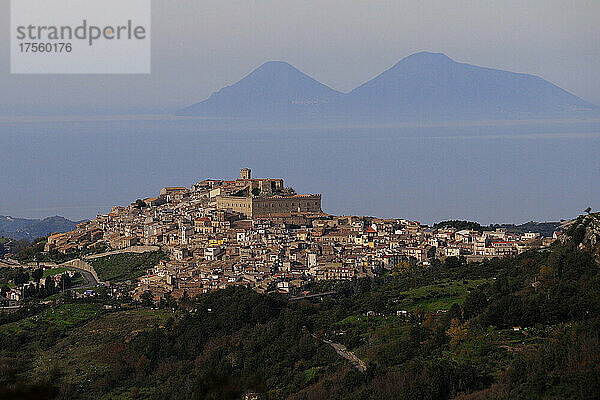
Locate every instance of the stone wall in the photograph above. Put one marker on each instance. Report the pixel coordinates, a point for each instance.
(253, 207)
(79, 264)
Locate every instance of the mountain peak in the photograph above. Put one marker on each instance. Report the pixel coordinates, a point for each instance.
(274, 69)
(427, 56)
(421, 86)
(424, 58)
(275, 87)
(275, 64)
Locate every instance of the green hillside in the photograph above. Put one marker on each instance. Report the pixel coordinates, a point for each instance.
(521, 327)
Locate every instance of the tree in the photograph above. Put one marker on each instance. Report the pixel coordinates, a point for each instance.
(65, 281)
(455, 311)
(588, 210)
(457, 224)
(545, 271)
(142, 367)
(147, 298)
(457, 332)
(37, 274)
(21, 277)
(400, 268)
(102, 292)
(66, 297)
(475, 303)
(452, 262)
(49, 285)
(139, 203)
(170, 302)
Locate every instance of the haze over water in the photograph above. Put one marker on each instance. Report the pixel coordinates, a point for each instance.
(489, 172)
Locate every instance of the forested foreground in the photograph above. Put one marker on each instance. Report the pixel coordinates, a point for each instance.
(522, 327)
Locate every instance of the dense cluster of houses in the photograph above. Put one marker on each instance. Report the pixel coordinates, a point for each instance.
(211, 245)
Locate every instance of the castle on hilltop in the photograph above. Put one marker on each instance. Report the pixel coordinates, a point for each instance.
(264, 197)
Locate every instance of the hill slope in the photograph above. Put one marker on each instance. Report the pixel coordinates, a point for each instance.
(517, 327)
(22, 228)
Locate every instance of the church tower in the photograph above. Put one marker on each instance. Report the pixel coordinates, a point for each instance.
(245, 173)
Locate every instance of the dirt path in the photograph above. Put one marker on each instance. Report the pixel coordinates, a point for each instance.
(348, 355)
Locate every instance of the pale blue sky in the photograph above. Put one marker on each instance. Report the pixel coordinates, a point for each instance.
(200, 46)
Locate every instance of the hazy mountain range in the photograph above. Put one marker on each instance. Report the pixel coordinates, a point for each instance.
(22, 228)
(422, 86)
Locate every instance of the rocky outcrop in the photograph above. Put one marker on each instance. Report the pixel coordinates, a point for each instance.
(585, 232)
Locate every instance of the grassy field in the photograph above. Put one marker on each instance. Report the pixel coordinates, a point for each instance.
(54, 271)
(61, 317)
(438, 296)
(122, 267)
(356, 330)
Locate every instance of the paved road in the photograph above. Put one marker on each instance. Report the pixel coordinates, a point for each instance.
(89, 279)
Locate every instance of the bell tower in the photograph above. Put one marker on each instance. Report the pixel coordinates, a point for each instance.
(245, 173)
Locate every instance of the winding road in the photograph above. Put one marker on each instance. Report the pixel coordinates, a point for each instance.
(88, 277)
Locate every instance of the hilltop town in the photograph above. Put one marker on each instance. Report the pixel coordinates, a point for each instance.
(250, 276)
(260, 234)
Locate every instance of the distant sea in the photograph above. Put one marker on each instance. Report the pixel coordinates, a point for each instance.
(500, 171)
